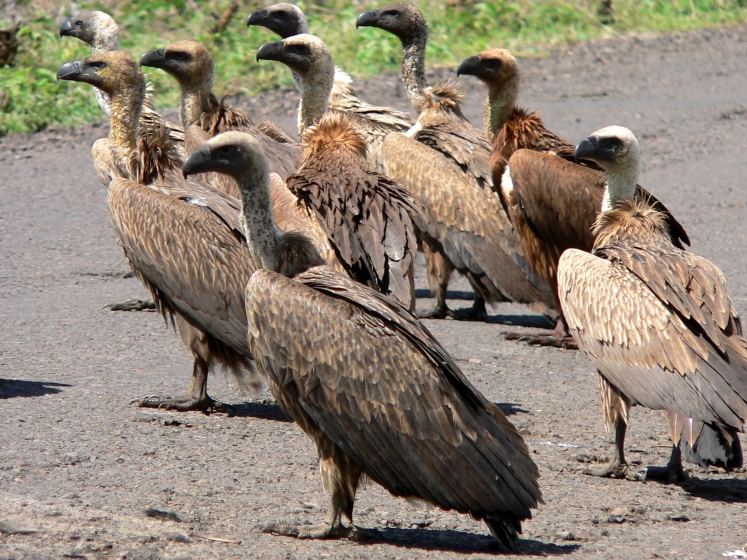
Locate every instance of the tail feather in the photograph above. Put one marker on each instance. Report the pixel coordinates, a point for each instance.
(717, 446)
(505, 528)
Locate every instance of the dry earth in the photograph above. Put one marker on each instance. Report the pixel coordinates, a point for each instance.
(83, 474)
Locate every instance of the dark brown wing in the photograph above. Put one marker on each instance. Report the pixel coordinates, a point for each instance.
(660, 328)
(367, 219)
(377, 383)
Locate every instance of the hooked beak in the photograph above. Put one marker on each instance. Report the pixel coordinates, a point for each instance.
(66, 28)
(469, 66)
(270, 51)
(197, 162)
(70, 71)
(155, 58)
(257, 18)
(368, 19)
(587, 148)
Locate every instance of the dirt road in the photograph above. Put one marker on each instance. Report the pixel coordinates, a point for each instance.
(83, 474)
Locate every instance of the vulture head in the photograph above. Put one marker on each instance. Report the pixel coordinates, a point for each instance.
(91, 27)
(495, 67)
(188, 61)
(113, 72)
(284, 19)
(306, 55)
(403, 20)
(232, 153)
(612, 147)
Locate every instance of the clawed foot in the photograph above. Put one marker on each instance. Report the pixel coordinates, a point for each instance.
(181, 404)
(474, 313)
(133, 305)
(438, 312)
(553, 340)
(668, 474)
(322, 531)
(615, 470)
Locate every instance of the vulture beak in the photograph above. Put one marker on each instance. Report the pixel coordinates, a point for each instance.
(587, 148)
(155, 59)
(257, 18)
(368, 19)
(76, 71)
(197, 162)
(469, 66)
(271, 51)
(66, 28)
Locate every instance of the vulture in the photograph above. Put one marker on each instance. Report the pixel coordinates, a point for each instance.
(100, 31)
(656, 320)
(371, 386)
(182, 239)
(551, 201)
(445, 163)
(367, 215)
(204, 116)
(372, 122)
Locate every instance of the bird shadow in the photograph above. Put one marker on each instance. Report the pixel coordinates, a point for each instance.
(10, 388)
(262, 410)
(729, 490)
(530, 321)
(450, 540)
(425, 293)
(509, 409)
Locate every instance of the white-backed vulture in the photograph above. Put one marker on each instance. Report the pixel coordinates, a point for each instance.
(656, 320)
(366, 380)
(203, 116)
(100, 31)
(183, 240)
(445, 163)
(368, 216)
(372, 122)
(552, 202)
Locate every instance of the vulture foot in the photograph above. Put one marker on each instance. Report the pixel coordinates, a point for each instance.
(475, 313)
(321, 531)
(133, 305)
(182, 404)
(438, 312)
(673, 473)
(615, 470)
(553, 340)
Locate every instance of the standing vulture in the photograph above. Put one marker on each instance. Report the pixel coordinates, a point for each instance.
(99, 30)
(656, 320)
(551, 200)
(204, 116)
(365, 380)
(444, 162)
(367, 216)
(183, 240)
(372, 122)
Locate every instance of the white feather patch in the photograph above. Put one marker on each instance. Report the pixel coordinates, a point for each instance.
(507, 184)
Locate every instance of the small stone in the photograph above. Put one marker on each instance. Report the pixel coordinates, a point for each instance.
(681, 517)
(177, 537)
(163, 514)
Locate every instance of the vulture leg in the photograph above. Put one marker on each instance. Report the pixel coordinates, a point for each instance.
(133, 305)
(198, 398)
(673, 473)
(340, 478)
(475, 313)
(616, 407)
(439, 273)
(559, 338)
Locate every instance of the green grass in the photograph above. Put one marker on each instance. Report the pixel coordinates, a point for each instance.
(31, 99)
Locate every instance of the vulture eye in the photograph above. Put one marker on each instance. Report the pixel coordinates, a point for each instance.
(97, 64)
(226, 150)
(613, 143)
(302, 50)
(390, 13)
(493, 64)
(78, 23)
(179, 56)
(279, 15)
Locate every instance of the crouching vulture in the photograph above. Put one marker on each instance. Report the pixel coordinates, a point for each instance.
(365, 380)
(183, 240)
(444, 162)
(551, 200)
(656, 321)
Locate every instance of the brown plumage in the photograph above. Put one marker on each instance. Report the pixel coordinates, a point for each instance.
(204, 116)
(367, 216)
(372, 122)
(655, 319)
(368, 383)
(552, 201)
(100, 31)
(183, 240)
(444, 162)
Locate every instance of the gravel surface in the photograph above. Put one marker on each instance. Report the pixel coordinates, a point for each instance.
(85, 474)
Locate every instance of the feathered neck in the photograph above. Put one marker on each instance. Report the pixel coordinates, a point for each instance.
(413, 66)
(630, 221)
(197, 98)
(500, 105)
(315, 91)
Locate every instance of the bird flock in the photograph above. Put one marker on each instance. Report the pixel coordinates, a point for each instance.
(291, 262)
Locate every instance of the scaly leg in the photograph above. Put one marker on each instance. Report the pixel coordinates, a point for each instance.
(673, 473)
(439, 273)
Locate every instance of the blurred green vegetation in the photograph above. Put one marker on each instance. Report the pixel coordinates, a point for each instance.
(32, 99)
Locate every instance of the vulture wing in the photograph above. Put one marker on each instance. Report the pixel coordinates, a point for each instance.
(660, 328)
(378, 385)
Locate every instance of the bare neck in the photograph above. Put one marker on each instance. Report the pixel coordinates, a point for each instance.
(262, 235)
(499, 106)
(125, 110)
(105, 41)
(413, 68)
(315, 92)
(195, 101)
(621, 185)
